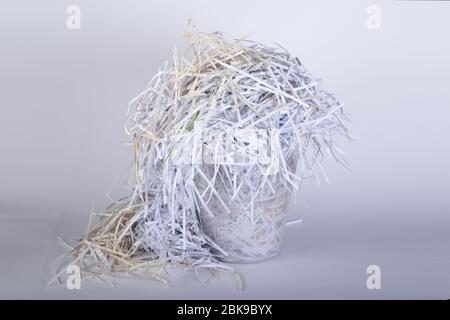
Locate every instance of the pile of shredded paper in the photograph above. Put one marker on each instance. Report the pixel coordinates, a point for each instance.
(221, 141)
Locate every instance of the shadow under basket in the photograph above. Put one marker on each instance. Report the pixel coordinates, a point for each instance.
(247, 232)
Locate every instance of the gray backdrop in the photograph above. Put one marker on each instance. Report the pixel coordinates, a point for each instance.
(63, 99)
